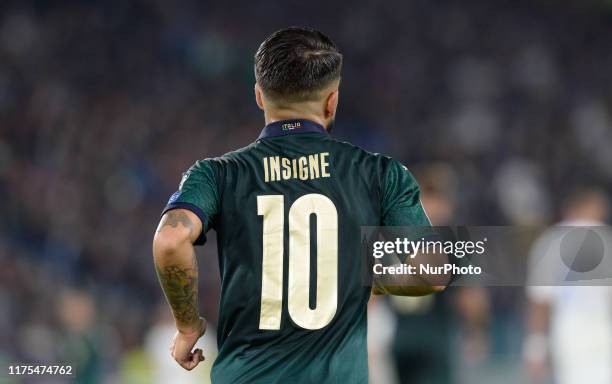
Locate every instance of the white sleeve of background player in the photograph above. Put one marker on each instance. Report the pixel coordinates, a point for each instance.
(540, 270)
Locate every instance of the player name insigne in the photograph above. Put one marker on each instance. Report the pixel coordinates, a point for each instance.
(277, 168)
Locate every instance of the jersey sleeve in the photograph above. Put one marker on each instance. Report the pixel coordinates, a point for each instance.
(198, 193)
(401, 203)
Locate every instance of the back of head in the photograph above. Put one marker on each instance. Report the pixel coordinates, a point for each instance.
(294, 64)
(586, 203)
(438, 186)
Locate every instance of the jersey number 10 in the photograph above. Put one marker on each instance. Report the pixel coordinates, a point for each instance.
(271, 207)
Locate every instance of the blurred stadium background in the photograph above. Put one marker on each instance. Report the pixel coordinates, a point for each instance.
(500, 109)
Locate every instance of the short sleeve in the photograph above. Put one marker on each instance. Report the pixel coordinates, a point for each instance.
(401, 204)
(198, 193)
(544, 268)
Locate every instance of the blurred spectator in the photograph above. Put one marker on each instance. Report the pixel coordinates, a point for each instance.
(81, 344)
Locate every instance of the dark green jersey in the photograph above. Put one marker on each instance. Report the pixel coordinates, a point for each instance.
(287, 210)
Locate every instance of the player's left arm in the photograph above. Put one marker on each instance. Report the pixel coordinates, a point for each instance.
(416, 288)
(177, 270)
(413, 284)
(401, 206)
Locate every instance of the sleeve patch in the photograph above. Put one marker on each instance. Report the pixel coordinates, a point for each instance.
(175, 196)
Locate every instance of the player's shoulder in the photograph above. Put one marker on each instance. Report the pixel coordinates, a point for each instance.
(380, 159)
(214, 168)
(389, 171)
(236, 154)
(227, 158)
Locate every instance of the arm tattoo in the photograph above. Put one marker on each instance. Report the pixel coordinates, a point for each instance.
(180, 285)
(173, 218)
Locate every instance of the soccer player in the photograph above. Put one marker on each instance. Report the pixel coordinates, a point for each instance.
(570, 326)
(287, 210)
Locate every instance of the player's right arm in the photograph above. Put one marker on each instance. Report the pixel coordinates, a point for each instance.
(188, 215)
(535, 345)
(177, 271)
(536, 348)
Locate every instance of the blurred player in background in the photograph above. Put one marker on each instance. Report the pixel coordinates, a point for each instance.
(293, 309)
(81, 342)
(569, 327)
(426, 356)
(423, 357)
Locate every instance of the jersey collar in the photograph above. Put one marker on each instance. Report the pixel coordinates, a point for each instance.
(289, 127)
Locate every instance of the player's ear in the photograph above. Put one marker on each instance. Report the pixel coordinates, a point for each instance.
(258, 97)
(331, 104)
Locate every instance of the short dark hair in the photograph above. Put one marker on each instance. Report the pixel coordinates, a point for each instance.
(294, 62)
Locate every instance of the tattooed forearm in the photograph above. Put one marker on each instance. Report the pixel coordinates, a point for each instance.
(180, 285)
(176, 266)
(173, 218)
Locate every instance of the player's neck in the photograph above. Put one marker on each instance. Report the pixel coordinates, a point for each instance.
(287, 114)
